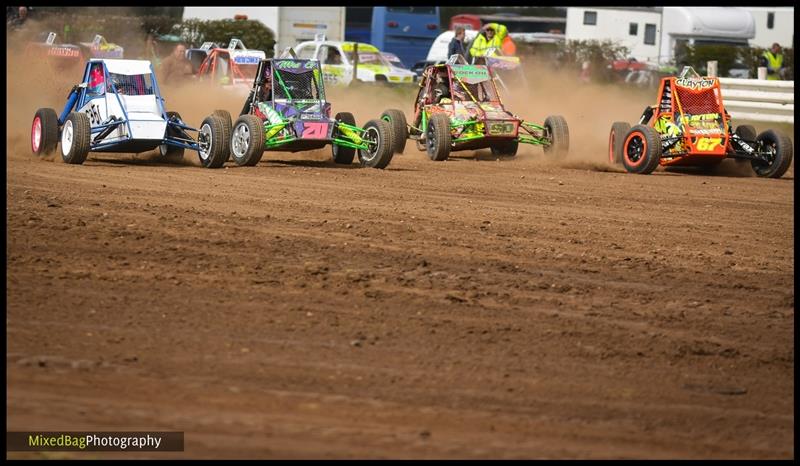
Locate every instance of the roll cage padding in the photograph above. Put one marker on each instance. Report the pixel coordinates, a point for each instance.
(647, 114)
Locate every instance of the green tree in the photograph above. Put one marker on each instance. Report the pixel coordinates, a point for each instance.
(254, 34)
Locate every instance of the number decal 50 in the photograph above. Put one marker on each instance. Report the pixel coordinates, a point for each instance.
(707, 144)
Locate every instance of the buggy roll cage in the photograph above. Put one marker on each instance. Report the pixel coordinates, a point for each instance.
(535, 132)
(77, 97)
(353, 132)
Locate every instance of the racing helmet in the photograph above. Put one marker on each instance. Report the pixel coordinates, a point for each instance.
(117, 82)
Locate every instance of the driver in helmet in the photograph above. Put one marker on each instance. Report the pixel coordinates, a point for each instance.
(441, 92)
(96, 79)
(266, 88)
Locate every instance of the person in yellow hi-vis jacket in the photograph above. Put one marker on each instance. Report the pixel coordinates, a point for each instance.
(491, 36)
(773, 60)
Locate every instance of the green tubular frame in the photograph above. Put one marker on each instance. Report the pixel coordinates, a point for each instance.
(523, 138)
(529, 127)
(352, 143)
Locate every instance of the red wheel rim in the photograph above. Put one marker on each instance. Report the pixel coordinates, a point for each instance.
(36, 134)
(627, 148)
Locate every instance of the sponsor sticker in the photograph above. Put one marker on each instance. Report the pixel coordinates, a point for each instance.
(690, 83)
(246, 59)
(471, 73)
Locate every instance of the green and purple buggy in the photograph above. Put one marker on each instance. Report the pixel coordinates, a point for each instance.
(286, 111)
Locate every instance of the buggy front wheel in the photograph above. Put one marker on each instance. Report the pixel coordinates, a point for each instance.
(779, 153)
(247, 140)
(342, 154)
(437, 137)
(214, 149)
(641, 151)
(227, 126)
(378, 138)
(558, 133)
(507, 148)
(75, 138)
(397, 121)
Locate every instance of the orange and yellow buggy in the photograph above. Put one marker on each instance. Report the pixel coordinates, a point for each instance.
(689, 126)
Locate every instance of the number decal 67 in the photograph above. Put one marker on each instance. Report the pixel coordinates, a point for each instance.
(707, 144)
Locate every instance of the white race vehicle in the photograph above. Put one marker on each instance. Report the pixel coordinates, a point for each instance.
(337, 59)
(117, 107)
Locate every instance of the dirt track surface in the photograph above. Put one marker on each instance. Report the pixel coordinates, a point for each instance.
(469, 309)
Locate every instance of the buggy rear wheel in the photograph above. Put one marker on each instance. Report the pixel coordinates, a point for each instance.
(506, 148)
(437, 137)
(44, 131)
(75, 138)
(641, 151)
(247, 140)
(778, 149)
(746, 132)
(615, 140)
(226, 120)
(214, 149)
(168, 152)
(342, 154)
(378, 137)
(397, 121)
(558, 132)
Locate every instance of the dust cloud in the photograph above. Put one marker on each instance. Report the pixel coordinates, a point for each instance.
(589, 108)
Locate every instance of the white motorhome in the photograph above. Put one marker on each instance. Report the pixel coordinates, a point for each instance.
(773, 24)
(291, 25)
(651, 33)
(707, 25)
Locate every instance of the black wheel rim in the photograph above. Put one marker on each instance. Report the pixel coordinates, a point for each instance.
(635, 148)
(430, 139)
(770, 149)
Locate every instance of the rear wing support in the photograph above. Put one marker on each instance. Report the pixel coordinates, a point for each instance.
(288, 52)
(457, 59)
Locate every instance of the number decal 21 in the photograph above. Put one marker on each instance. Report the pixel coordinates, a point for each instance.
(315, 130)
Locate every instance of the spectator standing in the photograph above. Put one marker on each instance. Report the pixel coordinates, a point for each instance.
(773, 60)
(176, 67)
(457, 46)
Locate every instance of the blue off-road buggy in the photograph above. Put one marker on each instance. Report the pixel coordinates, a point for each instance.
(117, 107)
(286, 111)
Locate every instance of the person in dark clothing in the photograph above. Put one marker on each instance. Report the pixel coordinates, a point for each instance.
(457, 46)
